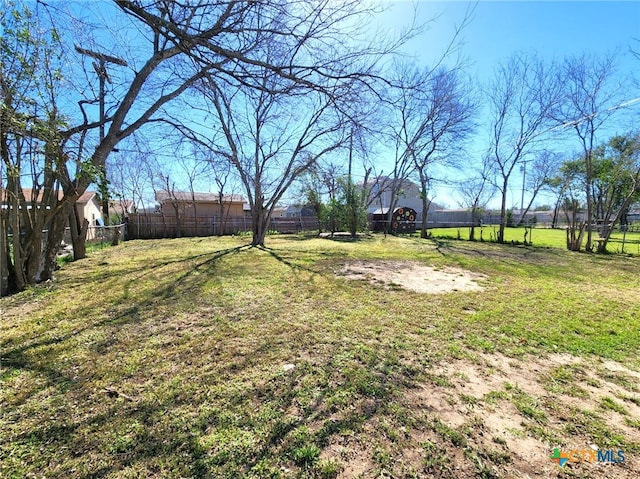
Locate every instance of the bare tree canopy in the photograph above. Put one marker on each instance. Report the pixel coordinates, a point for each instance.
(520, 98)
(282, 81)
(588, 100)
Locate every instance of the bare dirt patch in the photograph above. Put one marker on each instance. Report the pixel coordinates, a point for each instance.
(501, 417)
(412, 276)
(496, 394)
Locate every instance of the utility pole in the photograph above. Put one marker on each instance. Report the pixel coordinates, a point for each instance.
(100, 66)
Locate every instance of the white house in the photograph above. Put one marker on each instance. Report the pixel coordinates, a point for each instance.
(380, 195)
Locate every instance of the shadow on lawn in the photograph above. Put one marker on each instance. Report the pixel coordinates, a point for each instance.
(207, 265)
(170, 433)
(258, 429)
(277, 256)
(120, 313)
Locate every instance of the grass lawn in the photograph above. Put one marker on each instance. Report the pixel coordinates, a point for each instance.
(541, 237)
(204, 358)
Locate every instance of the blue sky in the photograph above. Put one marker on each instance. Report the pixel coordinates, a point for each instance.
(551, 29)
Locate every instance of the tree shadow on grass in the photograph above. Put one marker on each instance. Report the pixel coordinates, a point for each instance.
(277, 256)
(53, 344)
(158, 430)
(207, 265)
(342, 237)
(193, 434)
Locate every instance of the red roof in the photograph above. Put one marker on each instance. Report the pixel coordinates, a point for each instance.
(86, 197)
(187, 196)
(29, 195)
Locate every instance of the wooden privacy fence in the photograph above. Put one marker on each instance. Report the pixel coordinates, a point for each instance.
(157, 226)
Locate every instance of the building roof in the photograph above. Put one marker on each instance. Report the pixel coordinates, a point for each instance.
(188, 196)
(121, 206)
(29, 195)
(380, 211)
(86, 197)
(385, 183)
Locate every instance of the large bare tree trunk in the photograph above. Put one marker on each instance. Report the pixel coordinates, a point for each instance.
(426, 204)
(425, 199)
(54, 240)
(34, 254)
(260, 222)
(474, 220)
(18, 280)
(78, 227)
(260, 228)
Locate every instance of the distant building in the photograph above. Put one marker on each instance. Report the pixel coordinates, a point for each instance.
(87, 204)
(121, 208)
(279, 211)
(380, 195)
(88, 208)
(298, 211)
(634, 215)
(198, 205)
(30, 196)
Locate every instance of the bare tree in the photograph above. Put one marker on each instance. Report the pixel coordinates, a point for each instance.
(587, 100)
(180, 44)
(544, 167)
(139, 104)
(225, 41)
(428, 112)
(221, 171)
(207, 168)
(445, 113)
(261, 55)
(167, 193)
(355, 196)
(130, 179)
(270, 142)
(476, 192)
(402, 133)
(520, 99)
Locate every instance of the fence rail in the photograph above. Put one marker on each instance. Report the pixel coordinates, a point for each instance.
(156, 226)
(141, 226)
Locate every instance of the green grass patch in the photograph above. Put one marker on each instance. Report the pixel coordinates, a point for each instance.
(566, 379)
(528, 405)
(611, 404)
(589, 424)
(537, 237)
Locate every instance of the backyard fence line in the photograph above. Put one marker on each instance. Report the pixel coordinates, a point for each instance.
(143, 226)
(157, 226)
